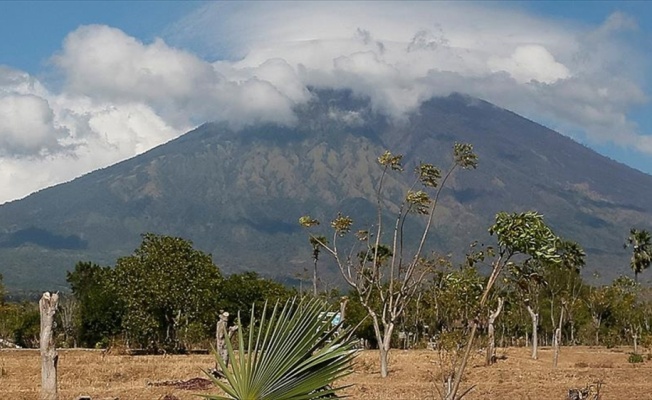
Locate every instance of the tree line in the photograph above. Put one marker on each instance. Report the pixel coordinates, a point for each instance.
(165, 296)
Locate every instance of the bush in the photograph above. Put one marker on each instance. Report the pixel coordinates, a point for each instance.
(635, 358)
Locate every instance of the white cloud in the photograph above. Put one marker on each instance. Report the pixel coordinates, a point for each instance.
(26, 126)
(104, 62)
(48, 138)
(530, 63)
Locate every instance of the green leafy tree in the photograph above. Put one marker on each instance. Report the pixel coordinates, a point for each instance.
(641, 243)
(563, 284)
(393, 277)
(295, 354)
(166, 287)
(20, 324)
(100, 310)
(598, 300)
(523, 235)
(528, 280)
(452, 298)
(627, 312)
(240, 293)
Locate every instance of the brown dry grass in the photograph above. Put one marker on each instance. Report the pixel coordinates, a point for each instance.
(411, 375)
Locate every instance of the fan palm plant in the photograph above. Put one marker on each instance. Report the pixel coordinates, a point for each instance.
(295, 354)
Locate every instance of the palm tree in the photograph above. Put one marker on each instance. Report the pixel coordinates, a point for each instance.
(316, 242)
(641, 243)
(295, 354)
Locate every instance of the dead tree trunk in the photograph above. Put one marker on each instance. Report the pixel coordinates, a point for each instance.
(222, 334)
(343, 302)
(491, 346)
(49, 357)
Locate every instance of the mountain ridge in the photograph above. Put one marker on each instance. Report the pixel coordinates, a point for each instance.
(238, 194)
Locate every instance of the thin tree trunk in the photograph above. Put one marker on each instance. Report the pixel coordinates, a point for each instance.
(384, 343)
(314, 278)
(557, 338)
(385, 346)
(343, 301)
(49, 357)
(596, 323)
(535, 322)
(491, 347)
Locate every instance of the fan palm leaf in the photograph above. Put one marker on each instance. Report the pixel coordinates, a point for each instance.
(295, 354)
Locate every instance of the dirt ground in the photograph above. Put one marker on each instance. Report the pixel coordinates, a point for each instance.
(412, 375)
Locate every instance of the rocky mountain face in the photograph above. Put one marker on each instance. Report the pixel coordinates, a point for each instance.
(239, 194)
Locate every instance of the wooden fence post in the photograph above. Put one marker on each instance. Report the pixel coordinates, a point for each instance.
(49, 357)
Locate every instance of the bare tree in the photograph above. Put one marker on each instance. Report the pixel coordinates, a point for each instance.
(597, 301)
(384, 278)
(68, 314)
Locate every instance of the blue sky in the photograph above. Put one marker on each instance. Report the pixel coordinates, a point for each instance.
(86, 84)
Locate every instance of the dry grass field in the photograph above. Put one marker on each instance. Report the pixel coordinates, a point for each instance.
(412, 374)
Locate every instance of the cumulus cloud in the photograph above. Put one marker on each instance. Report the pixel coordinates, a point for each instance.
(244, 62)
(26, 126)
(48, 138)
(105, 64)
(530, 63)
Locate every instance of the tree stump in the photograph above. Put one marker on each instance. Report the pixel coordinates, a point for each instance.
(49, 357)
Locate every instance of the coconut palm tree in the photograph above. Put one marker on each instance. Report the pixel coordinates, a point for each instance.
(296, 354)
(316, 242)
(641, 243)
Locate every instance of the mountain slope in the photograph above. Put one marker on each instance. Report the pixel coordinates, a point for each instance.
(238, 195)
